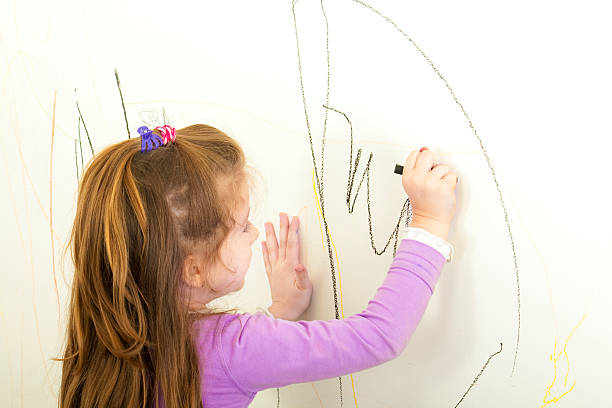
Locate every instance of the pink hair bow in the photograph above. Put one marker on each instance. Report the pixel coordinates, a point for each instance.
(168, 133)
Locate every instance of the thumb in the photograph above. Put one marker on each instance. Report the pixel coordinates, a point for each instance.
(302, 279)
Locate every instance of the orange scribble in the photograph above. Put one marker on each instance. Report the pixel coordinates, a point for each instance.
(316, 392)
(24, 172)
(51, 205)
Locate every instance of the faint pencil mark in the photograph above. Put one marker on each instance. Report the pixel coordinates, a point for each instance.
(51, 206)
(27, 254)
(518, 287)
(481, 370)
(317, 393)
(24, 167)
(166, 120)
(127, 127)
(150, 117)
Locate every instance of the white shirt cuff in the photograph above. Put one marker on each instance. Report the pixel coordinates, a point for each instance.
(419, 234)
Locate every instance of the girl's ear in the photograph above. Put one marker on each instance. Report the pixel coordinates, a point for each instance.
(193, 272)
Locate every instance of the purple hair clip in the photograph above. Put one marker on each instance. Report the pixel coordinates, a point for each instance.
(150, 141)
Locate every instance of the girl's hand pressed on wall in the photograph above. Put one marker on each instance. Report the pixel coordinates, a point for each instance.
(289, 282)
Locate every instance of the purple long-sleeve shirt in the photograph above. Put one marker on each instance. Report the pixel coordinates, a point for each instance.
(241, 354)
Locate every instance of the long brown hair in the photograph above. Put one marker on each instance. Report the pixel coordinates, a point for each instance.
(129, 334)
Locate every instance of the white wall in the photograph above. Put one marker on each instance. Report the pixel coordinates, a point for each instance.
(534, 78)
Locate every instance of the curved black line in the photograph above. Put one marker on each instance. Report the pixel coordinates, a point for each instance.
(481, 370)
(351, 176)
(518, 286)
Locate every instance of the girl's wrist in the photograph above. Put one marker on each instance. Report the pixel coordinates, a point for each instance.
(282, 311)
(276, 311)
(437, 228)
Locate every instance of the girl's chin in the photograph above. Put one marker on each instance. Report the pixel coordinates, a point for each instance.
(237, 286)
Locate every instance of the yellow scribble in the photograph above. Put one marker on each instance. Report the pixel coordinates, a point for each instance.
(554, 357)
(337, 263)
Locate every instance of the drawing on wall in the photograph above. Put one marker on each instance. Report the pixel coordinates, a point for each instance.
(150, 117)
(558, 386)
(404, 210)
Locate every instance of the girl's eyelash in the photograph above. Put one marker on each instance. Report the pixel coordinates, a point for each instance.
(247, 226)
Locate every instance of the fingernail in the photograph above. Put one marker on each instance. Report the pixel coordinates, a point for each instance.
(423, 148)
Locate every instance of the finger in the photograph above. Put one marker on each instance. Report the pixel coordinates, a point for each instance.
(451, 179)
(302, 280)
(425, 161)
(440, 171)
(292, 239)
(266, 258)
(284, 226)
(271, 241)
(411, 160)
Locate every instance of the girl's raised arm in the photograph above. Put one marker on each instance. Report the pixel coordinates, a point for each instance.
(261, 352)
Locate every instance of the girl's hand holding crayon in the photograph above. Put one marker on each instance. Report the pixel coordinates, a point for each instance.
(431, 189)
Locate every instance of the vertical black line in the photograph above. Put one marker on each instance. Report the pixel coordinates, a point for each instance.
(320, 182)
(84, 126)
(80, 143)
(76, 160)
(277, 397)
(127, 127)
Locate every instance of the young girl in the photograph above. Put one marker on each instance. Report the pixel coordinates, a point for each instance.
(161, 231)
